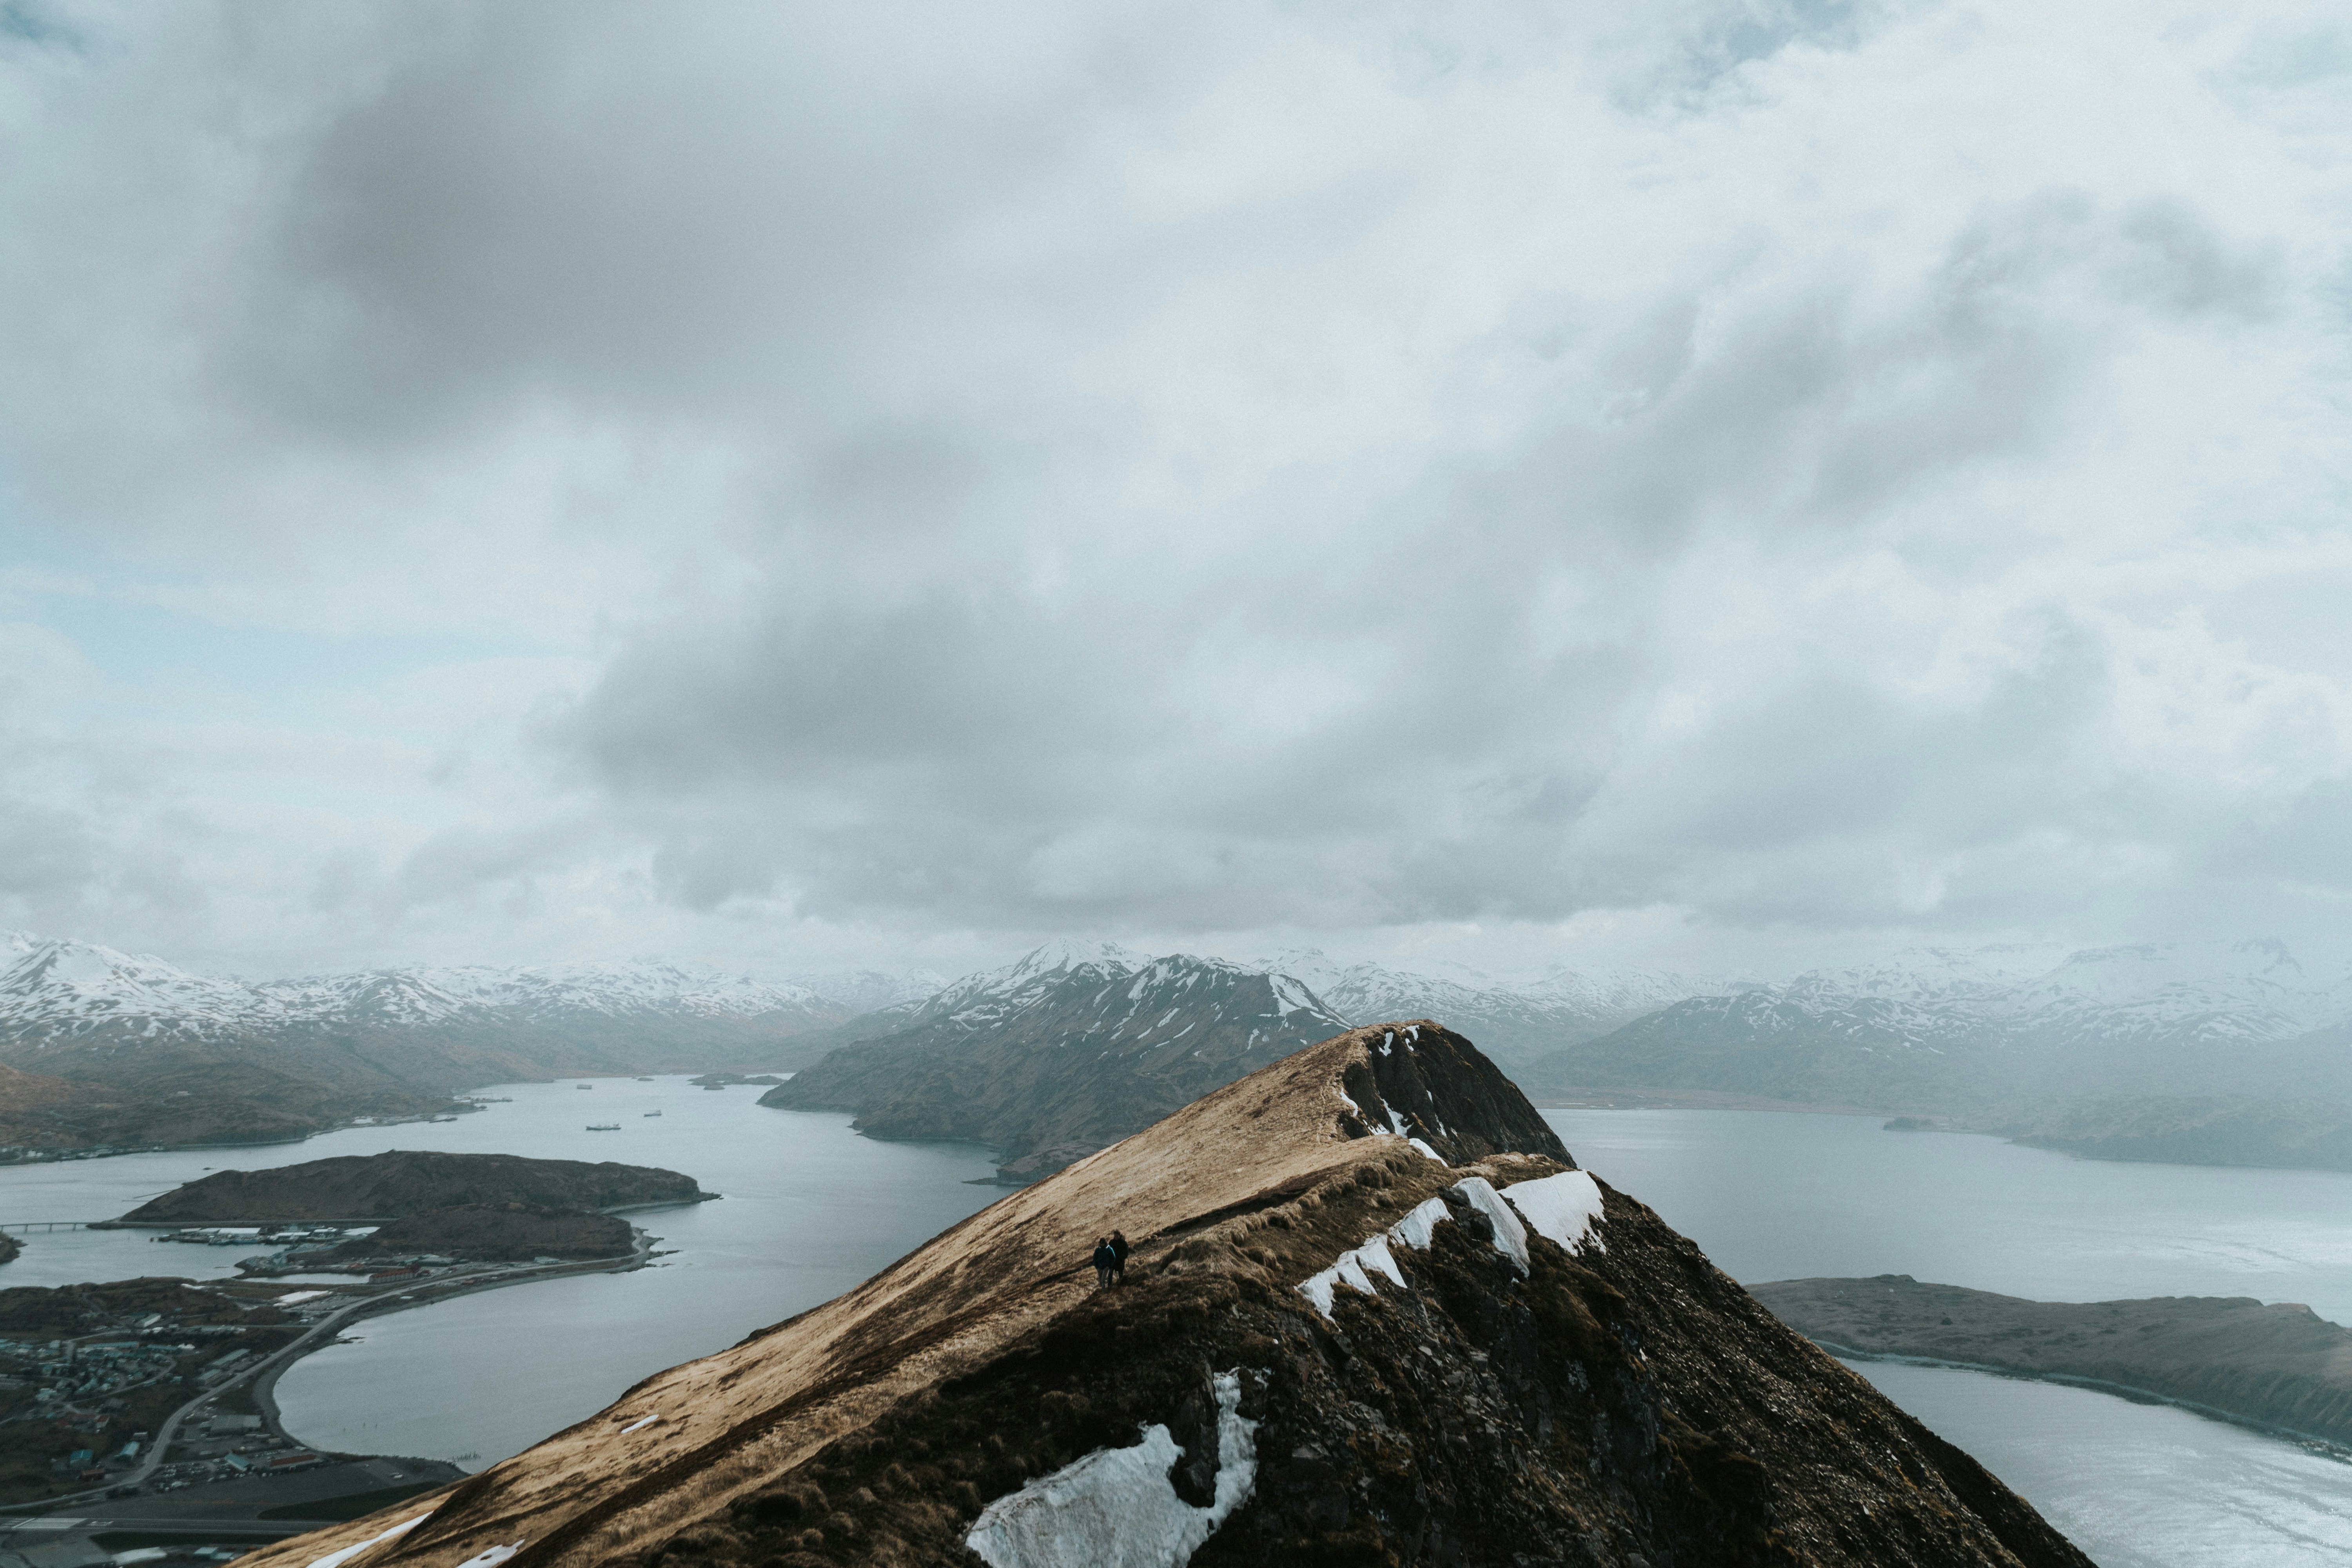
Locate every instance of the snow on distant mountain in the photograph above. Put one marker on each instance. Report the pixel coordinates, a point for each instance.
(1070, 1049)
(868, 990)
(2183, 993)
(2177, 993)
(977, 1000)
(1944, 1028)
(62, 990)
(1509, 1020)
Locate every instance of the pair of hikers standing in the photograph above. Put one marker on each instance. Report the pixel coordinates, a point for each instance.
(1110, 1259)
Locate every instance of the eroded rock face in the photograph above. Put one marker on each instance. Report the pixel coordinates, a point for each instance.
(1335, 1347)
(1419, 1080)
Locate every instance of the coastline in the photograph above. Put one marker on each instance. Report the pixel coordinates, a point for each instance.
(2312, 1440)
(2277, 1367)
(260, 1382)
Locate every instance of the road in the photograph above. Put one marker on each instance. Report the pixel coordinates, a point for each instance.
(14, 1533)
(421, 1295)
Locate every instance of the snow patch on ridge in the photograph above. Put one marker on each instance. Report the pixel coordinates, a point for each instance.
(1353, 1268)
(337, 1559)
(1419, 1227)
(1510, 1235)
(1115, 1508)
(1564, 1208)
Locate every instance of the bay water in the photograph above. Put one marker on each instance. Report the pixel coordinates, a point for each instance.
(810, 1208)
(1770, 1195)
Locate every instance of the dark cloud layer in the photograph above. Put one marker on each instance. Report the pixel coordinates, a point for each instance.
(1205, 469)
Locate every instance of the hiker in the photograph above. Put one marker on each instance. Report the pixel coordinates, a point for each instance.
(1105, 1261)
(1119, 1251)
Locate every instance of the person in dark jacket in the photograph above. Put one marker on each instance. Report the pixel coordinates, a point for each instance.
(1119, 1250)
(1105, 1261)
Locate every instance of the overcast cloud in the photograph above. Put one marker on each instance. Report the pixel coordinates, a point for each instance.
(1705, 482)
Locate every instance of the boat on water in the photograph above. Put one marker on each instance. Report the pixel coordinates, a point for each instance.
(645, 1080)
(603, 1127)
(652, 1113)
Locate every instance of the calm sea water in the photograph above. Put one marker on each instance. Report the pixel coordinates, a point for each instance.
(811, 1209)
(1777, 1197)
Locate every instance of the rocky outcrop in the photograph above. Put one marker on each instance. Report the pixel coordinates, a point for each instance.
(2282, 1364)
(1334, 1346)
(407, 1182)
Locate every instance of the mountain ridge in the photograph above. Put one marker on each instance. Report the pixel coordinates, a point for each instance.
(1334, 1348)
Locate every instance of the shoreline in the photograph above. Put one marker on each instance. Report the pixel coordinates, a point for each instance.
(461, 1103)
(260, 1382)
(107, 1151)
(263, 1386)
(2331, 1446)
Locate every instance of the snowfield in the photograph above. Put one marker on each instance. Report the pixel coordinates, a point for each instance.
(1115, 1508)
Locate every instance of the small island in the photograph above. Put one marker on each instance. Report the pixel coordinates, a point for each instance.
(2281, 1366)
(376, 1188)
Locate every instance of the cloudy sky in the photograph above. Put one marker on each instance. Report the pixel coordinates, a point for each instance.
(1721, 482)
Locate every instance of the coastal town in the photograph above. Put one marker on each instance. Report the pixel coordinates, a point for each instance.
(137, 1416)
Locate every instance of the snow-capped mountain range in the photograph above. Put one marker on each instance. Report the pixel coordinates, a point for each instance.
(992, 997)
(55, 992)
(1508, 1019)
(2006, 1036)
(2177, 993)
(60, 991)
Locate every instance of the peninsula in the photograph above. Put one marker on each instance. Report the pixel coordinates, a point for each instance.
(2279, 1365)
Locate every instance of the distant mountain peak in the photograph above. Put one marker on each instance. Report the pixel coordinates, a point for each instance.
(1066, 954)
